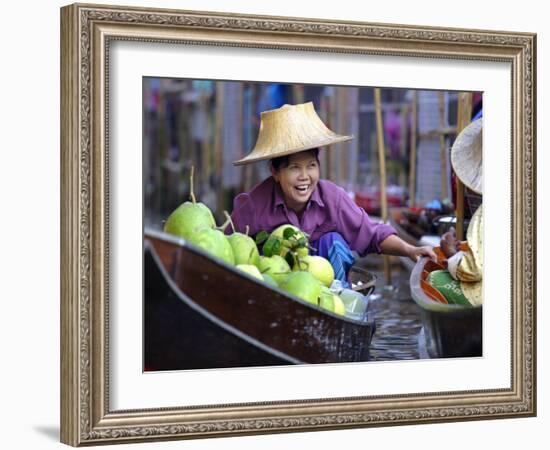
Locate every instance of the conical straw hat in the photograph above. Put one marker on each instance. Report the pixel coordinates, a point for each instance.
(290, 129)
(467, 156)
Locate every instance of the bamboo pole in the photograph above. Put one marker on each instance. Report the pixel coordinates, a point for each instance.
(442, 146)
(382, 166)
(403, 145)
(218, 140)
(206, 166)
(463, 118)
(412, 168)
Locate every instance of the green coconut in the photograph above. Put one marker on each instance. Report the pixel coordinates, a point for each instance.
(326, 299)
(318, 266)
(251, 270)
(244, 249)
(274, 266)
(189, 217)
(303, 285)
(213, 242)
(268, 279)
(331, 302)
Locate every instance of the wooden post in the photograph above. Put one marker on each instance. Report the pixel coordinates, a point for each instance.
(298, 93)
(341, 127)
(352, 147)
(412, 167)
(332, 160)
(463, 119)
(324, 112)
(382, 165)
(442, 145)
(248, 168)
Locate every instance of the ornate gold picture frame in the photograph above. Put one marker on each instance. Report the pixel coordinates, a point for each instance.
(87, 33)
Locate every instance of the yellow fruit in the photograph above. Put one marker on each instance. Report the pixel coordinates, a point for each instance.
(318, 266)
(339, 307)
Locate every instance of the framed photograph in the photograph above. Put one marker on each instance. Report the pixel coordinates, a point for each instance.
(163, 337)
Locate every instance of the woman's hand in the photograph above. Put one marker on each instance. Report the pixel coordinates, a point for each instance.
(415, 253)
(394, 245)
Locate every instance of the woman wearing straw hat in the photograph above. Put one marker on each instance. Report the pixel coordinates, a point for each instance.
(290, 138)
(465, 267)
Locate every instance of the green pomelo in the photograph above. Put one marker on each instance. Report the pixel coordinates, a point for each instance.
(188, 218)
(214, 242)
(303, 285)
(268, 279)
(244, 249)
(318, 266)
(250, 270)
(274, 266)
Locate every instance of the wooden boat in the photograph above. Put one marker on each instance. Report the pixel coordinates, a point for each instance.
(203, 313)
(450, 330)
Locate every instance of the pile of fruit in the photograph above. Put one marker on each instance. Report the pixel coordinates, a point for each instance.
(285, 262)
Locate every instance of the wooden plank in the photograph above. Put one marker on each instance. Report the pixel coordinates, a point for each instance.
(464, 115)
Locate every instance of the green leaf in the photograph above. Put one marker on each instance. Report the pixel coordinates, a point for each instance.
(288, 233)
(302, 242)
(268, 247)
(276, 246)
(261, 237)
(289, 257)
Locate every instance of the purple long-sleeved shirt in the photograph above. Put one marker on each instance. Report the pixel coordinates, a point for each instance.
(328, 209)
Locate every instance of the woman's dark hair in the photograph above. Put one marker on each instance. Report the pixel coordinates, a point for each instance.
(282, 161)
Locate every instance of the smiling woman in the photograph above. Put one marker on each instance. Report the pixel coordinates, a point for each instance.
(298, 176)
(294, 194)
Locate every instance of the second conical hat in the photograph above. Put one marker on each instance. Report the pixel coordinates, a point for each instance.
(467, 156)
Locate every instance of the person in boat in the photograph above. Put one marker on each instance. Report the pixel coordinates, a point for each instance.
(290, 138)
(462, 281)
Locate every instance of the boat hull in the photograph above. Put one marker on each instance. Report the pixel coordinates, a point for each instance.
(203, 313)
(449, 330)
